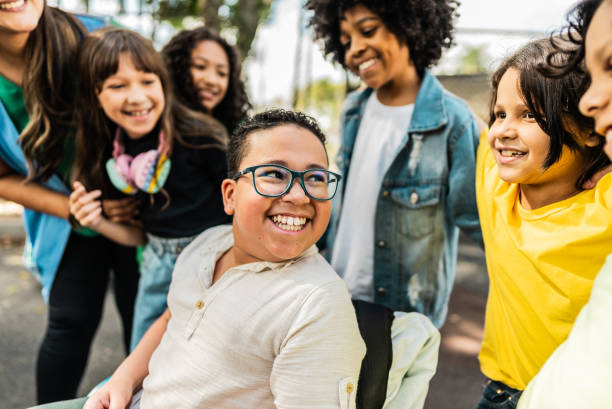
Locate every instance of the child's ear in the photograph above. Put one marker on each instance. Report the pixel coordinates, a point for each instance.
(593, 140)
(228, 191)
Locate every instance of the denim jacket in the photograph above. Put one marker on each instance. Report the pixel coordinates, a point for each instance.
(426, 194)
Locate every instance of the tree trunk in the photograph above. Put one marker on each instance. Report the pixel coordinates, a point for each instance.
(210, 11)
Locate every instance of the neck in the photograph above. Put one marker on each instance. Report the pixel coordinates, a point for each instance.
(402, 90)
(536, 196)
(12, 56)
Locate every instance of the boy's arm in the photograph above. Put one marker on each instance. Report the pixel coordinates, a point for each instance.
(88, 212)
(320, 357)
(128, 377)
(461, 197)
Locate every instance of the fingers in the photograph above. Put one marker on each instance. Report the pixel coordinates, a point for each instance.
(84, 206)
(121, 211)
(592, 182)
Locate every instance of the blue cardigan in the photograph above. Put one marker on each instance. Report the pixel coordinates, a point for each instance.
(46, 235)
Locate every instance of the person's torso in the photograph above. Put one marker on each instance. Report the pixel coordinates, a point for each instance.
(414, 244)
(381, 133)
(221, 343)
(541, 266)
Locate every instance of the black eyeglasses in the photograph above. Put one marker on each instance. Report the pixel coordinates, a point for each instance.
(276, 180)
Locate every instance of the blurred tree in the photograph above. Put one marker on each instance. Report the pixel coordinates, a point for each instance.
(474, 60)
(240, 17)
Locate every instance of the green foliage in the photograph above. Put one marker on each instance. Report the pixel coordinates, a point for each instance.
(241, 17)
(474, 60)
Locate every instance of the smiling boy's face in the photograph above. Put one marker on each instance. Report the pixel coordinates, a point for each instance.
(257, 236)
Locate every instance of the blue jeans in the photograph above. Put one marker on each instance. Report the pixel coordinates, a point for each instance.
(497, 395)
(156, 268)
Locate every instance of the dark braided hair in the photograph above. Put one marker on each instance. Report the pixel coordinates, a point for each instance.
(177, 56)
(425, 26)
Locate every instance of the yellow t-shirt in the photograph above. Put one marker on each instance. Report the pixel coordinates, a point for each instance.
(541, 264)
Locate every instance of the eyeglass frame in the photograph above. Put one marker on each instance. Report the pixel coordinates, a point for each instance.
(294, 174)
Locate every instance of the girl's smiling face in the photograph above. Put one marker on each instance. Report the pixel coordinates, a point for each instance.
(372, 51)
(520, 146)
(132, 99)
(210, 71)
(19, 16)
(597, 101)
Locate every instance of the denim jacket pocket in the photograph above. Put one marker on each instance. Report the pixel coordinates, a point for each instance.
(417, 210)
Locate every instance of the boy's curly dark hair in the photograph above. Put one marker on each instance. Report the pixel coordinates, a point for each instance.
(272, 118)
(563, 59)
(177, 56)
(426, 26)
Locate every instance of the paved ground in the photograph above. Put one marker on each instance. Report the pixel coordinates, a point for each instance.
(457, 384)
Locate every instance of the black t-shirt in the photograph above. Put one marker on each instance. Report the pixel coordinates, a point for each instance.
(193, 187)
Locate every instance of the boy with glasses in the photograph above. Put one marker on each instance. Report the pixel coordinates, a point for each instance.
(256, 317)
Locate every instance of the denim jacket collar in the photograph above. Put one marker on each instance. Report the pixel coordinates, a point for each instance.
(429, 113)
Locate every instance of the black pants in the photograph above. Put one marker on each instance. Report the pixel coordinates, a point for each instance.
(75, 306)
(497, 395)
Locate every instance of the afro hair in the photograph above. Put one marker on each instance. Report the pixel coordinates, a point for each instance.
(425, 26)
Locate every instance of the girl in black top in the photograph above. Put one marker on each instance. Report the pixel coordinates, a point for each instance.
(133, 134)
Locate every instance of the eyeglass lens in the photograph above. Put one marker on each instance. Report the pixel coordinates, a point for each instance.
(274, 180)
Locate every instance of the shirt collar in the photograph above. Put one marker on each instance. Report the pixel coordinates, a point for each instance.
(224, 240)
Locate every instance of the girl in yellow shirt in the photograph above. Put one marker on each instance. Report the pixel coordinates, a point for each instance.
(545, 238)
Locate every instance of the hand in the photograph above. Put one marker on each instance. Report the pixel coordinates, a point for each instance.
(110, 396)
(121, 210)
(84, 206)
(590, 184)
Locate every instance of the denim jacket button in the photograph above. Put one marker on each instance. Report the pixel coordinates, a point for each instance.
(385, 193)
(414, 197)
(381, 290)
(381, 243)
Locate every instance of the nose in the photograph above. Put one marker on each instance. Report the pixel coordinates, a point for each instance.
(356, 48)
(136, 95)
(503, 130)
(296, 194)
(593, 101)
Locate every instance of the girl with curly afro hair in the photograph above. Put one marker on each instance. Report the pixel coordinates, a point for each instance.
(394, 229)
(205, 72)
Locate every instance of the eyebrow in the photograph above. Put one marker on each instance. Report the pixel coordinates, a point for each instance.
(363, 20)
(204, 59)
(283, 163)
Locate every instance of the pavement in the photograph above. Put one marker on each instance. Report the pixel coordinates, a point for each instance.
(457, 383)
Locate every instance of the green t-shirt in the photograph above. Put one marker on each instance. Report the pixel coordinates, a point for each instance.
(11, 96)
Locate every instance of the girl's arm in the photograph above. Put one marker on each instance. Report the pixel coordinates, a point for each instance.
(31, 195)
(129, 376)
(88, 212)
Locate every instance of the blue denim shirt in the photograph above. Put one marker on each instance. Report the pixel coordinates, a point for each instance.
(426, 194)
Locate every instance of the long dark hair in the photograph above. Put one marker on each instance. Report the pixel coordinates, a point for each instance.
(99, 59)
(49, 89)
(177, 54)
(553, 103)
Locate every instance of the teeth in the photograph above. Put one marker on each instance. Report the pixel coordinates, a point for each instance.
(609, 135)
(366, 64)
(139, 113)
(12, 5)
(289, 223)
(509, 153)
